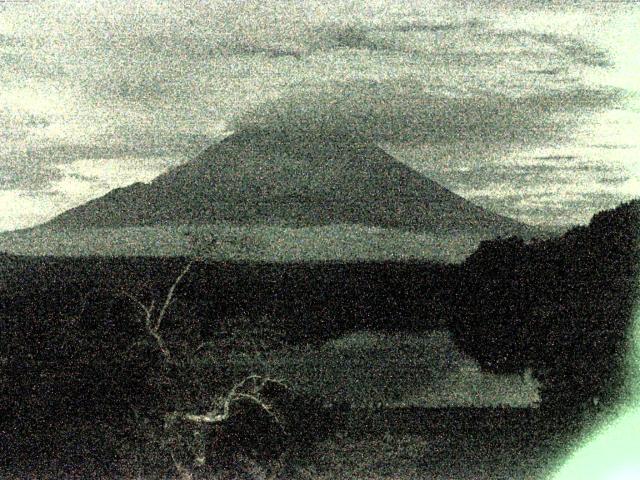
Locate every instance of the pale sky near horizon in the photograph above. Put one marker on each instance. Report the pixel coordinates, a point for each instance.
(530, 108)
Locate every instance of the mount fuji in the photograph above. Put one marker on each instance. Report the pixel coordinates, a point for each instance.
(273, 195)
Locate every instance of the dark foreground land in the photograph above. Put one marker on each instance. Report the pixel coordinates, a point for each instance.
(383, 444)
(87, 384)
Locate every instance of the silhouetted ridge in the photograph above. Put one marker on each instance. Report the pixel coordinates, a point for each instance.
(261, 177)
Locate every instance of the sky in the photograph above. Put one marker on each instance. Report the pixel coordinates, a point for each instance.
(529, 108)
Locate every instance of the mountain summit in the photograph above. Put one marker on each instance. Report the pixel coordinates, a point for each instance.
(275, 197)
(258, 178)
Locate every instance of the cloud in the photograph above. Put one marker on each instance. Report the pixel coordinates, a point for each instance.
(84, 179)
(620, 180)
(37, 167)
(269, 51)
(557, 157)
(153, 78)
(545, 71)
(407, 111)
(23, 208)
(70, 184)
(350, 37)
(490, 175)
(576, 49)
(561, 194)
(608, 146)
(416, 26)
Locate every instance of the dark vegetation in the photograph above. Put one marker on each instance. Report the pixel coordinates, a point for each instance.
(315, 301)
(77, 362)
(562, 307)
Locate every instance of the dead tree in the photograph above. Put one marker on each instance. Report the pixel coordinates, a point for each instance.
(153, 318)
(205, 432)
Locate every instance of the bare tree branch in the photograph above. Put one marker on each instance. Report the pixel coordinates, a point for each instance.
(148, 310)
(263, 405)
(162, 346)
(153, 324)
(250, 389)
(169, 297)
(233, 396)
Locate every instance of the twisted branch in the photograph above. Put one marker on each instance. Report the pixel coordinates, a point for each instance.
(234, 396)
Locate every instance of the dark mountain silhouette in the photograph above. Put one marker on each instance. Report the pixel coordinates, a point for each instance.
(274, 179)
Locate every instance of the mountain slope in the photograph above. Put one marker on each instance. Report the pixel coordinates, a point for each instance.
(261, 178)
